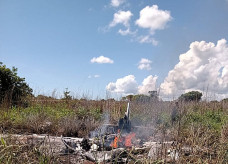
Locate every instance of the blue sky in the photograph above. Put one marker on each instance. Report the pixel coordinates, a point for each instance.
(53, 42)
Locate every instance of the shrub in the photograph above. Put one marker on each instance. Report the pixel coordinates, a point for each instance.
(191, 96)
(13, 89)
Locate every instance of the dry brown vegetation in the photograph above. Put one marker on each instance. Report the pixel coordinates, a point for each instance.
(202, 127)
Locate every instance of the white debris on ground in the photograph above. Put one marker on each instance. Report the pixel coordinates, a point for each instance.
(94, 147)
(65, 145)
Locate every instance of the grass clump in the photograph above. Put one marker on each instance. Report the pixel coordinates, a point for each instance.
(13, 151)
(210, 119)
(204, 130)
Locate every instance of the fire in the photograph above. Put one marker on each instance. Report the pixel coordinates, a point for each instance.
(114, 144)
(127, 140)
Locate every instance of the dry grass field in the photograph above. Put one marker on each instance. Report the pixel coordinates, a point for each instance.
(202, 126)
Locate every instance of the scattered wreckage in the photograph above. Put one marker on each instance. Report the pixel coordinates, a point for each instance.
(109, 143)
(119, 143)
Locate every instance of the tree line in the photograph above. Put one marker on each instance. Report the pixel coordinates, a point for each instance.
(14, 90)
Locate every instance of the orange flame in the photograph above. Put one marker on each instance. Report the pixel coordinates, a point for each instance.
(114, 144)
(128, 139)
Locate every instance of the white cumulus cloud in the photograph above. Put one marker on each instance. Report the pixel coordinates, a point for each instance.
(148, 84)
(144, 64)
(128, 85)
(125, 85)
(153, 18)
(101, 60)
(93, 76)
(121, 17)
(126, 32)
(203, 67)
(147, 39)
(117, 3)
(96, 76)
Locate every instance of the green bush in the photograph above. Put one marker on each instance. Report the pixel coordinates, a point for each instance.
(210, 119)
(13, 89)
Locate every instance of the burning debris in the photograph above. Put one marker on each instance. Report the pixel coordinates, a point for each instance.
(109, 143)
(116, 142)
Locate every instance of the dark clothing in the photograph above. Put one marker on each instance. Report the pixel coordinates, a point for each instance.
(124, 125)
(175, 114)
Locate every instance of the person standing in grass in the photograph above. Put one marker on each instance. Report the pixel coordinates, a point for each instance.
(175, 115)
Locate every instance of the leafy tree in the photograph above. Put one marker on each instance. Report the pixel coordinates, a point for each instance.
(128, 97)
(138, 97)
(225, 100)
(13, 89)
(153, 95)
(191, 96)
